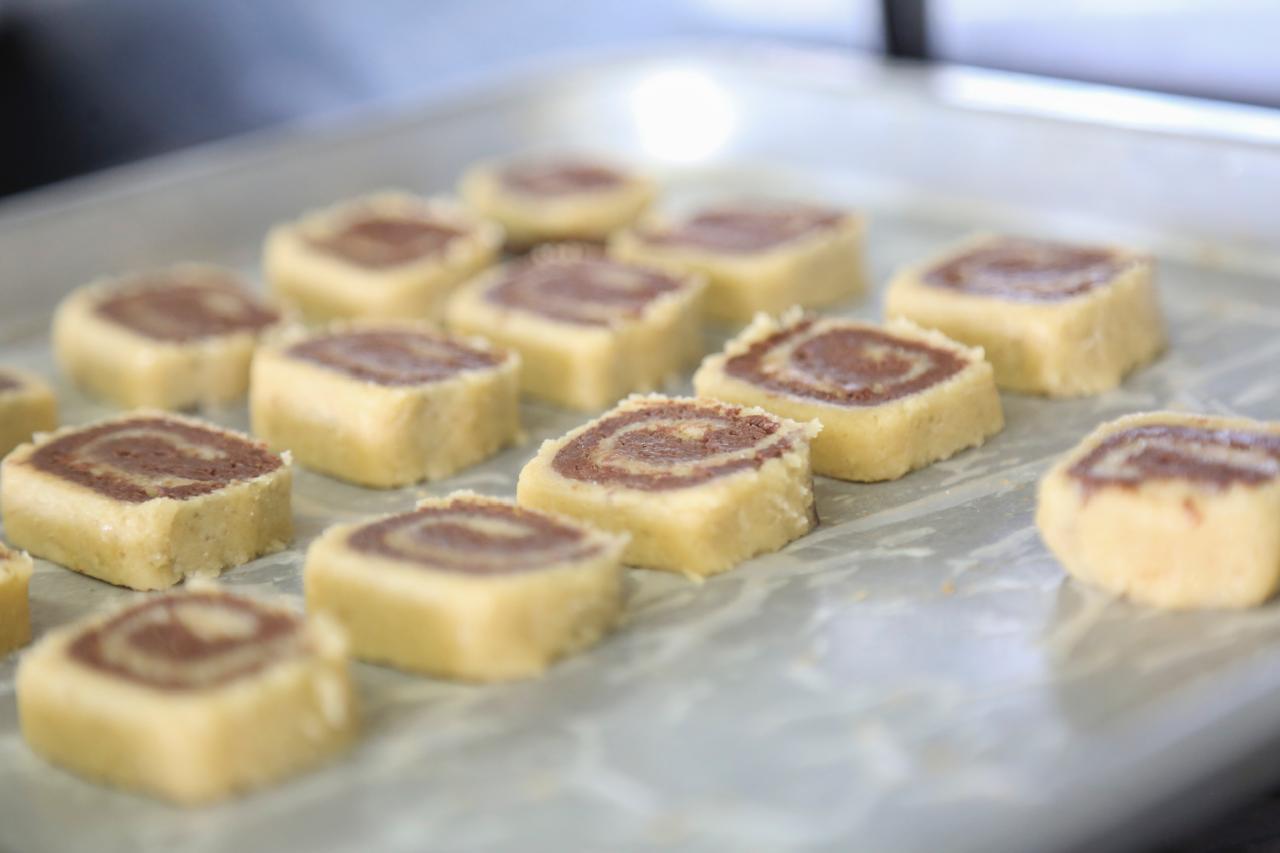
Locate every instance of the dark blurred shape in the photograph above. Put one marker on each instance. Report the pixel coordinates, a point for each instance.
(906, 28)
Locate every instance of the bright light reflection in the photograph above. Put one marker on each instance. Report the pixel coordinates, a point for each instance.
(681, 115)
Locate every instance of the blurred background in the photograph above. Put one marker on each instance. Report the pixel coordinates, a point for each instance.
(89, 84)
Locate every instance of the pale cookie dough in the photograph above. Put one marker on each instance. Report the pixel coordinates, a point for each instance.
(1172, 510)
(1053, 318)
(467, 587)
(389, 256)
(890, 399)
(171, 339)
(146, 499)
(700, 485)
(190, 696)
(756, 256)
(538, 200)
(386, 404)
(15, 607)
(27, 406)
(589, 329)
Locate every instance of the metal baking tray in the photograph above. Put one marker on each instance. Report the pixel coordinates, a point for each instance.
(914, 675)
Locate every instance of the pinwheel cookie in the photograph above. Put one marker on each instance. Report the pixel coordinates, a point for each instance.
(699, 485)
(170, 339)
(468, 587)
(386, 404)
(589, 329)
(550, 199)
(1053, 318)
(189, 696)
(146, 499)
(756, 256)
(27, 406)
(15, 608)
(1170, 509)
(890, 399)
(390, 255)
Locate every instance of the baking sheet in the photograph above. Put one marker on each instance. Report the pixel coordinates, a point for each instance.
(913, 675)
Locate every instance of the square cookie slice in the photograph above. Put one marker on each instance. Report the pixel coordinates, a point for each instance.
(15, 607)
(27, 406)
(174, 338)
(386, 404)
(552, 199)
(147, 499)
(890, 399)
(189, 696)
(700, 485)
(1053, 318)
(1170, 509)
(391, 255)
(589, 329)
(467, 587)
(756, 256)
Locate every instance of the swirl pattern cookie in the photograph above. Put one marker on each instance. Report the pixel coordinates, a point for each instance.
(386, 404)
(189, 642)
(556, 199)
(257, 691)
(27, 406)
(15, 608)
(389, 256)
(890, 399)
(1053, 318)
(700, 485)
(174, 338)
(1170, 509)
(757, 257)
(589, 329)
(1029, 270)
(467, 587)
(147, 499)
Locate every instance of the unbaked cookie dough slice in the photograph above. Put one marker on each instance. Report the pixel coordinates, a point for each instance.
(1172, 510)
(589, 329)
(757, 256)
(391, 255)
(189, 696)
(467, 587)
(386, 404)
(1053, 318)
(146, 499)
(555, 199)
(890, 399)
(700, 485)
(171, 339)
(15, 606)
(27, 406)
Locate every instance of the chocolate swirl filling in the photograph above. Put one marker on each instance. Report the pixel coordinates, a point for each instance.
(559, 177)
(588, 291)
(843, 365)
(745, 230)
(381, 241)
(185, 307)
(138, 459)
(190, 641)
(1028, 270)
(8, 382)
(474, 537)
(1213, 457)
(671, 445)
(394, 356)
